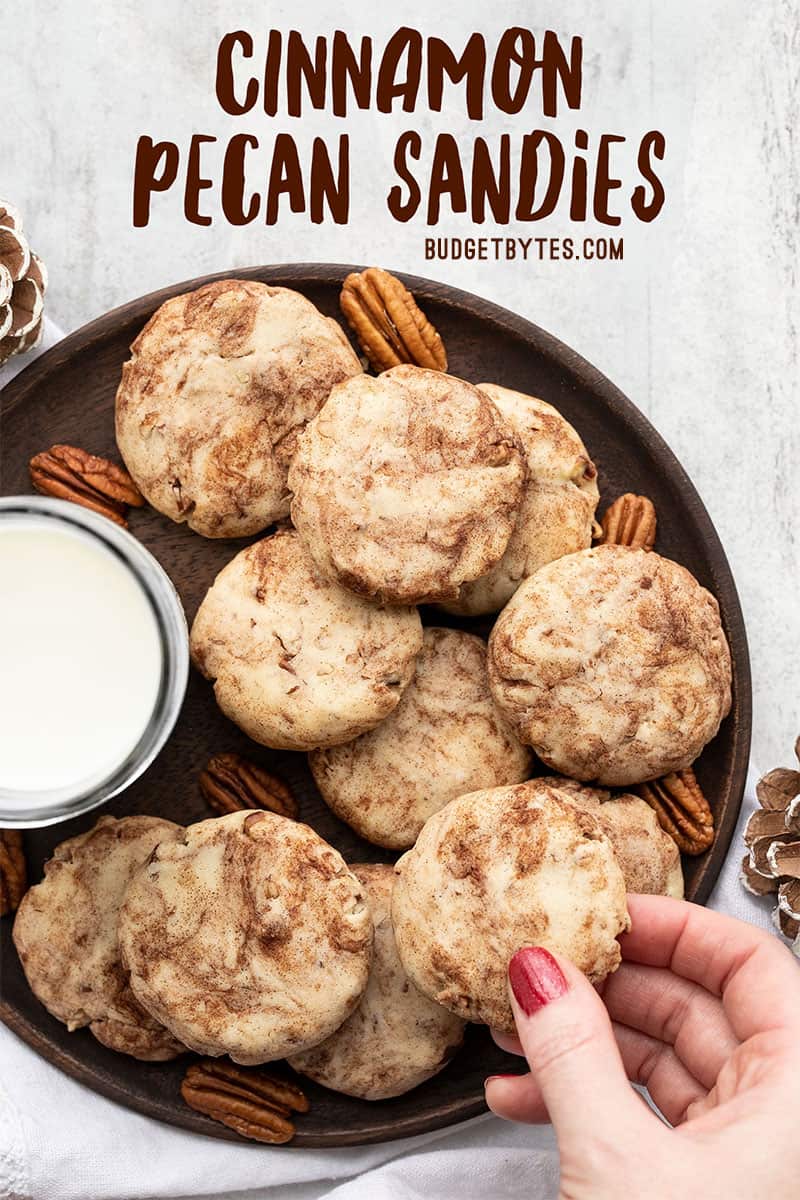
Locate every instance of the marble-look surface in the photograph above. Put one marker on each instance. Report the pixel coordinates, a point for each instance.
(698, 325)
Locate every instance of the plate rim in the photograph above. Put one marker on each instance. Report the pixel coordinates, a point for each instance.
(452, 1111)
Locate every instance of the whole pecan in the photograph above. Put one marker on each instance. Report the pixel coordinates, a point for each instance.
(682, 809)
(13, 873)
(231, 783)
(390, 326)
(255, 1105)
(70, 473)
(629, 521)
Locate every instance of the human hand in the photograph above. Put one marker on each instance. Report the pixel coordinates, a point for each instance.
(705, 1012)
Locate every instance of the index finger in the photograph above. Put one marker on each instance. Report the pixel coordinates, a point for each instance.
(756, 977)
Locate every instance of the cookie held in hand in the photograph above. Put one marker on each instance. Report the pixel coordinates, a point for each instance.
(497, 870)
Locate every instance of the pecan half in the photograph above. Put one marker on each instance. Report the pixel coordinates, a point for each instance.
(629, 521)
(390, 326)
(70, 473)
(682, 809)
(231, 783)
(255, 1105)
(13, 873)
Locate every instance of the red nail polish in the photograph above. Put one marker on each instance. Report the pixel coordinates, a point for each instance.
(536, 978)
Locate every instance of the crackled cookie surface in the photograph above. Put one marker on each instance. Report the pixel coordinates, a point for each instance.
(66, 935)
(297, 661)
(446, 737)
(406, 486)
(397, 1037)
(647, 855)
(495, 871)
(558, 503)
(249, 937)
(219, 384)
(612, 664)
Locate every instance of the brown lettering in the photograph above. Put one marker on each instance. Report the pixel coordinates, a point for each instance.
(409, 144)
(471, 65)
(447, 178)
(285, 176)
(301, 70)
(225, 74)
(346, 70)
(604, 182)
(653, 144)
(490, 186)
(404, 42)
(529, 175)
(195, 183)
(327, 187)
(233, 176)
(155, 170)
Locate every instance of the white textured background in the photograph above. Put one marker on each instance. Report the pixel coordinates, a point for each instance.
(699, 324)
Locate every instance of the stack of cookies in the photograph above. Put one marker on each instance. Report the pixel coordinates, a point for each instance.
(243, 407)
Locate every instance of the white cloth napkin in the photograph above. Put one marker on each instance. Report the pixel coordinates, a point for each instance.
(60, 1141)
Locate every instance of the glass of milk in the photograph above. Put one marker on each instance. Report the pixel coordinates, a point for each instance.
(94, 660)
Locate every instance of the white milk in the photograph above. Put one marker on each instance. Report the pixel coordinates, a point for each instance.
(80, 658)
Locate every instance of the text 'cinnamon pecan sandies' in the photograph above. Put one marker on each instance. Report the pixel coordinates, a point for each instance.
(231, 783)
(69, 473)
(682, 809)
(255, 1105)
(390, 326)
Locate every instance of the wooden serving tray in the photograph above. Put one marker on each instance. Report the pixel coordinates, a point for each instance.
(67, 395)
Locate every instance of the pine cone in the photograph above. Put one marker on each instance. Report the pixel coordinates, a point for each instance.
(23, 280)
(772, 837)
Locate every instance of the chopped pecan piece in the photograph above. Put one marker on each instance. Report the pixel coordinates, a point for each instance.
(682, 809)
(255, 1105)
(70, 473)
(13, 873)
(390, 326)
(231, 783)
(630, 521)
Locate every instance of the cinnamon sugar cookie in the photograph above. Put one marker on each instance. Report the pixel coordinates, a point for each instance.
(297, 661)
(612, 664)
(558, 503)
(219, 384)
(396, 1038)
(446, 737)
(647, 855)
(406, 486)
(66, 935)
(249, 937)
(495, 871)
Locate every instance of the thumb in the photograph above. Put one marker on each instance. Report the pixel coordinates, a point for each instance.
(568, 1041)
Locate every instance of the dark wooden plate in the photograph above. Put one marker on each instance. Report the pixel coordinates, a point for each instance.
(68, 396)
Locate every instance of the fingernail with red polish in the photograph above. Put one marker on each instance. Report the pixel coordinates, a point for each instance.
(536, 978)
